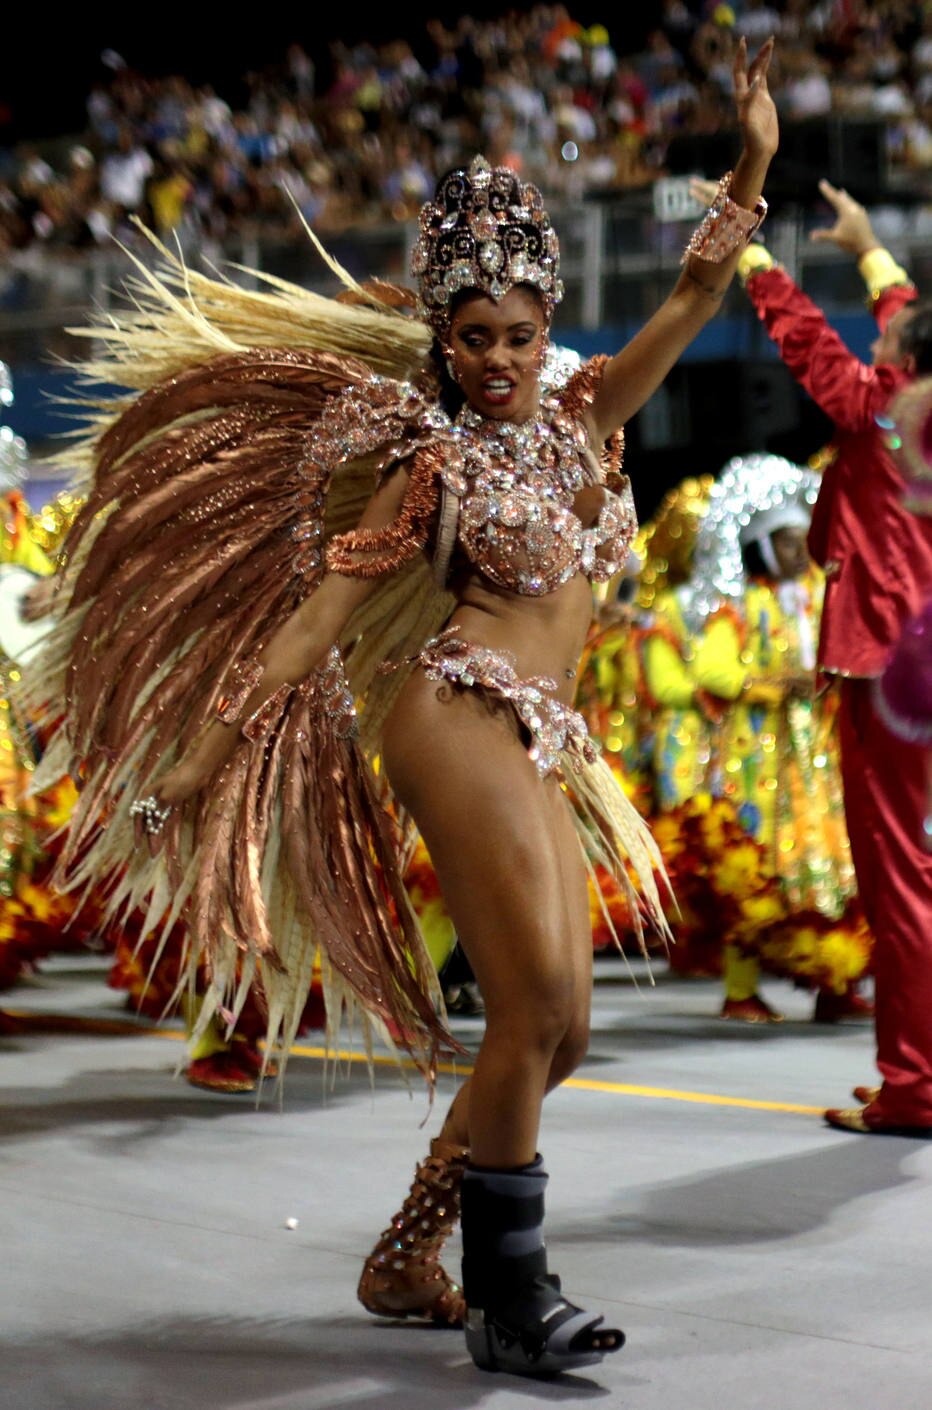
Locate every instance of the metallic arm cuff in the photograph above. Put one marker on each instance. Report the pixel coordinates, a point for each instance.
(724, 227)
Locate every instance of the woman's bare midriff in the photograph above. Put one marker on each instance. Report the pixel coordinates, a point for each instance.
(545, 635)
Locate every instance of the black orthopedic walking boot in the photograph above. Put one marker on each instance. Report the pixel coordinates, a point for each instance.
(517, 1319)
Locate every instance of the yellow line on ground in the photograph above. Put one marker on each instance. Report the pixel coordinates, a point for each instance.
(586, 1084)
(582, 1084)
(707, 1098)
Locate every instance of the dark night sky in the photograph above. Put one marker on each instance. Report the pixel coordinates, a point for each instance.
(48, 72)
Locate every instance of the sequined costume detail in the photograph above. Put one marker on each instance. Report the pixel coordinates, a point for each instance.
(517, 484)
(514, 483)
(725, 227)
(557, 733)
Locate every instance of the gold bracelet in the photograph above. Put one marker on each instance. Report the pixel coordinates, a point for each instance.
(242, 680)
(724, 227)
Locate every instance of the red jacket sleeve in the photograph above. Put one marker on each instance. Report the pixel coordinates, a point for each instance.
(849, 391)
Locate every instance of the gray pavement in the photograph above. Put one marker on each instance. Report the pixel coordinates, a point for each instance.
(754, 1257)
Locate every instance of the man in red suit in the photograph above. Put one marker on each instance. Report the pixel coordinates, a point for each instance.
(877, 559)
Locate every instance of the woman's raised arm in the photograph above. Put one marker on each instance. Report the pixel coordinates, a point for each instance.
(635, 373)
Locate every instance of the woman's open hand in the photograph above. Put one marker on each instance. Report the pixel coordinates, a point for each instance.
(757, 113)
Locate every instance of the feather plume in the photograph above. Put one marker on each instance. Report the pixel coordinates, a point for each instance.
(191, 549)
(253, 433)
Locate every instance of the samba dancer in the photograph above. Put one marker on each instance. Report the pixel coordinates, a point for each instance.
(520, 508)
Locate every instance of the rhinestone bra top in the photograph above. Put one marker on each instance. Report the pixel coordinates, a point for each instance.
(507, 488)
(516, 483)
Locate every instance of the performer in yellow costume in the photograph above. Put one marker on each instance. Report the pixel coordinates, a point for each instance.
(681, 718)
(20, 559)
(610, 698)
(17, 756)
(31, 920)
(775, 759)
(610, 694)
(679, 738)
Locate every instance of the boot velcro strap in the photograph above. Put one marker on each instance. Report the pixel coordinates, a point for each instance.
(492, 1282)
(499, 1212)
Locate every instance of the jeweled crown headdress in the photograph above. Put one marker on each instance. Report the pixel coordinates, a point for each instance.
(486, 230)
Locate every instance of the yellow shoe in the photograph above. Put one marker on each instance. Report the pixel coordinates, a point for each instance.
(848, 1119)
(855, 1119)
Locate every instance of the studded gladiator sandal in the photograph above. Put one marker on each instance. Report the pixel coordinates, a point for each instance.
(403, 1275)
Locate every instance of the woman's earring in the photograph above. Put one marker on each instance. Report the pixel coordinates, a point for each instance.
(449, 364)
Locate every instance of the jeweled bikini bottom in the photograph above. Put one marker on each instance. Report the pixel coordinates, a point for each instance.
(554, 729)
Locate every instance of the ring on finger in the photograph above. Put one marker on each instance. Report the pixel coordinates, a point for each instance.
(152, 815)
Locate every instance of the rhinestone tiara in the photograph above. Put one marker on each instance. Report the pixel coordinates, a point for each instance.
(484, 230)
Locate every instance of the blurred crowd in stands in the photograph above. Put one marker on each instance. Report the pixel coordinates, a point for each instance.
(364, 136)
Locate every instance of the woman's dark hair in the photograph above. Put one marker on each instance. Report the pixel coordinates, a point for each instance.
(916, 335)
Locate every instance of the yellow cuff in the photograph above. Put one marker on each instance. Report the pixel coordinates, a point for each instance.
(880, 271)
(753, 259)
(824, 458)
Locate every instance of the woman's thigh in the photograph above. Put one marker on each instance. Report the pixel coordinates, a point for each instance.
(576, 891)
(495, 832)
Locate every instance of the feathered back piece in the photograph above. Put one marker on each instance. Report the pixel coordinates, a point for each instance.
(212, 488)
(181, 319)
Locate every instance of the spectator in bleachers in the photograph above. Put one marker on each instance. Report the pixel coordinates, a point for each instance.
(367, 138)
(806, 91)
(124, 171)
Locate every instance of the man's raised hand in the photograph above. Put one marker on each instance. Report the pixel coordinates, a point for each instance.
(852, 230)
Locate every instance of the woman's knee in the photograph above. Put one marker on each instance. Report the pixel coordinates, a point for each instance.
(570, 1053)
(539, 1017)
